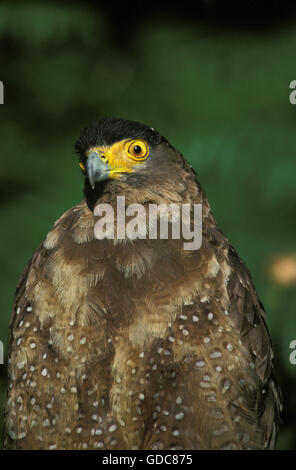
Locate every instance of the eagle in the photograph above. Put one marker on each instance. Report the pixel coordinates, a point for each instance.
(137, 342)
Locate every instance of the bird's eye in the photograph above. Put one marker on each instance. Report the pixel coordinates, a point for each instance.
(138, 150)
(81, 166)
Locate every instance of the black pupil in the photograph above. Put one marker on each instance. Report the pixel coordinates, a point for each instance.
(137, 149)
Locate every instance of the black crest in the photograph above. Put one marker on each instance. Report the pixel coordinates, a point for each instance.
(107, 131)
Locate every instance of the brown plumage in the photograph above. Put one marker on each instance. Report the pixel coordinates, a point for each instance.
(138, 344)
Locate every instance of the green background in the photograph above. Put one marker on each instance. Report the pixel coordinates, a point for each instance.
(216, 88)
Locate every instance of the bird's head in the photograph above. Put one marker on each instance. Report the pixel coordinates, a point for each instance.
(117, 149)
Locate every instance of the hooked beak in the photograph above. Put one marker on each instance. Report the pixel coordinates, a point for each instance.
(97, 170)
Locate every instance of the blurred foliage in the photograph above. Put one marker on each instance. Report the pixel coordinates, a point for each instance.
(220, 95)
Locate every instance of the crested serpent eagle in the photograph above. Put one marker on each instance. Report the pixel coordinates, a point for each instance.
(137, 343)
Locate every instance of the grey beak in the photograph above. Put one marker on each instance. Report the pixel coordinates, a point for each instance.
(97, 170)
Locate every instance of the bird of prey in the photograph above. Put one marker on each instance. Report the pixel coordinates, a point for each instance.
(138, 343)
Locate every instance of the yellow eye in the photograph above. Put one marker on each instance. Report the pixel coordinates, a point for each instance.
(138, 150)
(82, 166)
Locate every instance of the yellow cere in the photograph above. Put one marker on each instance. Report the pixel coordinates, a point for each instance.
(122, 156)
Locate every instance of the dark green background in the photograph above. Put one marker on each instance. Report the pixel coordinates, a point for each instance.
(215, 84)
